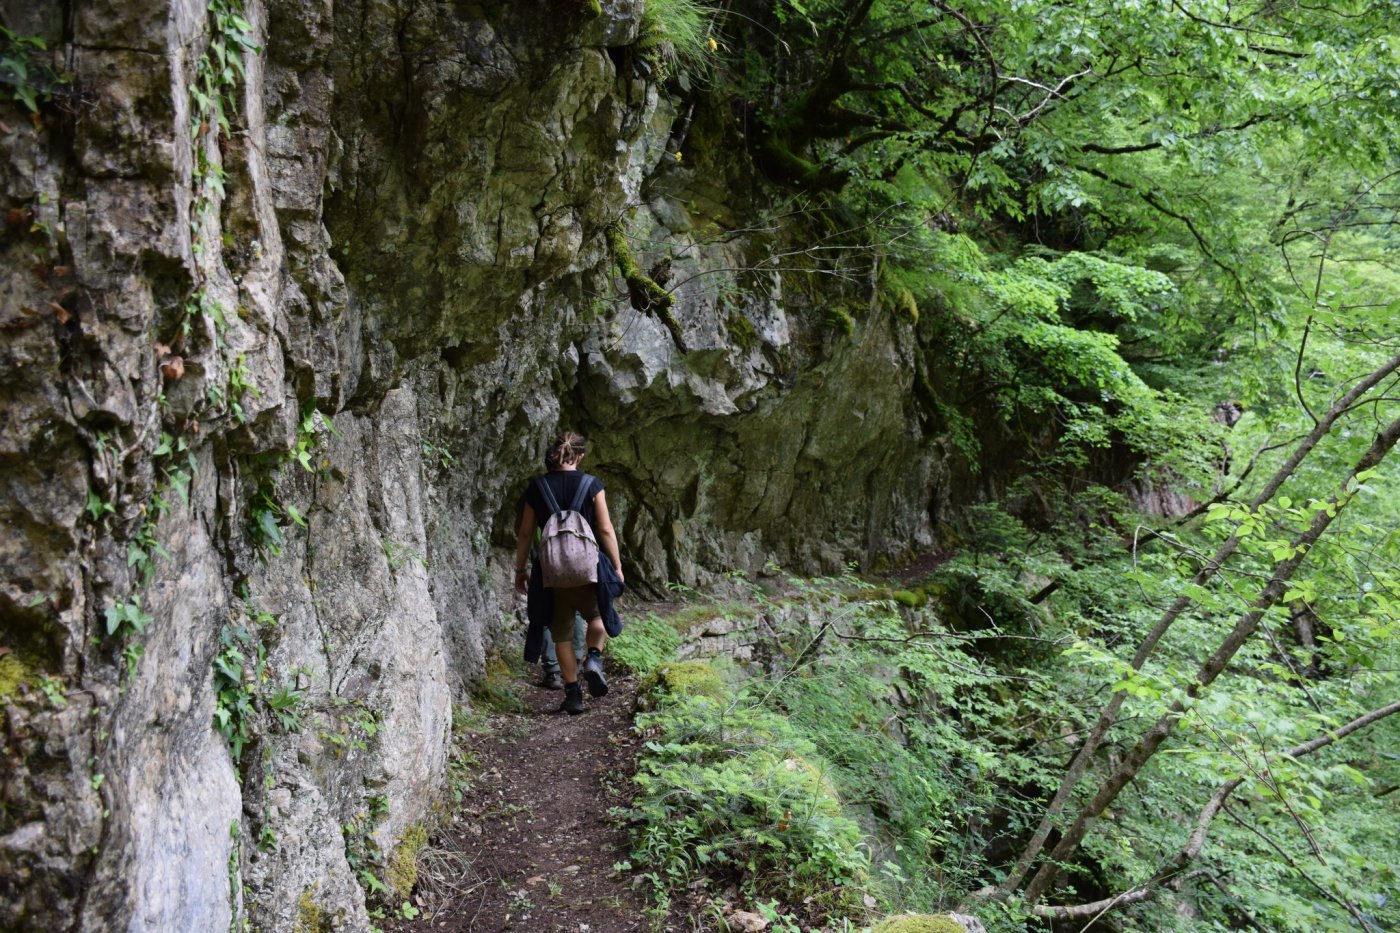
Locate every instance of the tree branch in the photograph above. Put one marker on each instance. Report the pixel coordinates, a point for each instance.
(1210, 669)
(1079, 765)
(1195, 843)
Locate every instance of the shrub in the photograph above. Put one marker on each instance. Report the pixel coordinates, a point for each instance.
(729, 788)
(645, 644)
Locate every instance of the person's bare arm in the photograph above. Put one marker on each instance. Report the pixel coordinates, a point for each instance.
(524, 534)
(607, 537)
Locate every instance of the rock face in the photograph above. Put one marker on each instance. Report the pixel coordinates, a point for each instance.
(281, 345)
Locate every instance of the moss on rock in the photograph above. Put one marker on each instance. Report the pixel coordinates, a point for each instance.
(647, 296)
(905, 304)
(923, 923)
(686, 678)
(310, 918)
(914, 600)
(840, 319)
(403, 866)
(14, 674)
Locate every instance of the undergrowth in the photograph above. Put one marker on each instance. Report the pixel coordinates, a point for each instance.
(862, 773)
(729, 789)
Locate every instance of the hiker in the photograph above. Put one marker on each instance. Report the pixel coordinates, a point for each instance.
(569, 547)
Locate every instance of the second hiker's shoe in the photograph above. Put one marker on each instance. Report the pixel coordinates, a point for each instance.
(573, 700)
(552, 681)
(593, 673)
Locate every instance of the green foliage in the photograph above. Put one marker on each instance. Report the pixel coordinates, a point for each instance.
(1040, 339)
(435, 452)
(127, 618)
(284, 704)
(726, 786)
(238, 669)
(29, 79)
(645, 644)
(362, 851)
(675, 38)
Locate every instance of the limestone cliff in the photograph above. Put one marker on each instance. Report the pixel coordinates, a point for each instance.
(284, 333)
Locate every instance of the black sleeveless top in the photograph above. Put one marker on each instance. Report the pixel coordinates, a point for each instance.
(565, 485)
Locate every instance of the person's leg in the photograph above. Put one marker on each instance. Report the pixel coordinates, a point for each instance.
(549, 664)
(566, 601)
(597, 634)
(593, 663)
(580, 636)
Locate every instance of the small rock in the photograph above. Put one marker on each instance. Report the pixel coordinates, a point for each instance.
(745, 922)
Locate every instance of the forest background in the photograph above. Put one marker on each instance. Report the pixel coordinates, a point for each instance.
(1147, 248)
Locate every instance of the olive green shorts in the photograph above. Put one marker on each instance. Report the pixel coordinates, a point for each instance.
(567, 601)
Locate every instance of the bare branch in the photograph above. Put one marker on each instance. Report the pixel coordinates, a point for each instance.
(1195, 843)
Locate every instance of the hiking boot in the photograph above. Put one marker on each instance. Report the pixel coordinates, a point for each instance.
(552, 681)
(593, 673)
(573, 700)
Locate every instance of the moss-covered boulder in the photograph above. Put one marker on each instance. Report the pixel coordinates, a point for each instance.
(685, 678)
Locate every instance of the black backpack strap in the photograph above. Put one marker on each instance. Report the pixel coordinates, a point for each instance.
(548, 494)
(584, 485)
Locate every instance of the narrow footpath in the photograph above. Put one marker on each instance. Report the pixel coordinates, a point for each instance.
(531, 845)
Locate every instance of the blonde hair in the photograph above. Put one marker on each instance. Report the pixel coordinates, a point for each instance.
(566, 450)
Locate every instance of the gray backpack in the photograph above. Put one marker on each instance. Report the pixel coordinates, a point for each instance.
(568, 552)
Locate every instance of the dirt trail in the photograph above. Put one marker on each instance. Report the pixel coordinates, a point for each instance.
(533, 831)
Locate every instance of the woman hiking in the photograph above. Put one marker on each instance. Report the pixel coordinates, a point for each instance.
(554, 495)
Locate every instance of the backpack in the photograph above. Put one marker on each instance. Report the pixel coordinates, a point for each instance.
(568, 552)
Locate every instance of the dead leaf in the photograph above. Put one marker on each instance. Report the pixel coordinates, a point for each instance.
(60, 312)
(534, 881)
(162, 349)
(172, 368)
